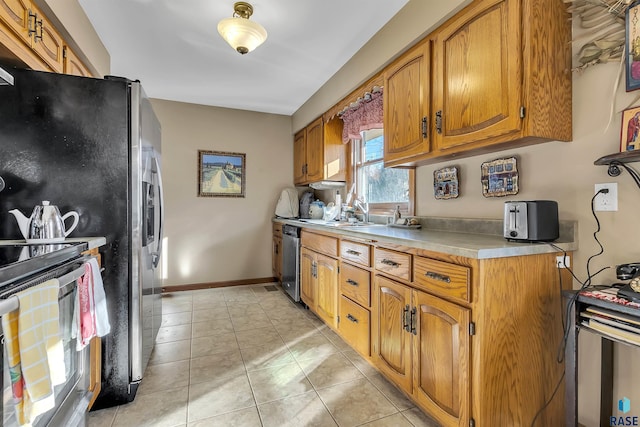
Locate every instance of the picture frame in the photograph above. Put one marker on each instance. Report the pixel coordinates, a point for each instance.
(445, 183)
(221, 174)
(499, 177)
(630, 130)
(632, 46)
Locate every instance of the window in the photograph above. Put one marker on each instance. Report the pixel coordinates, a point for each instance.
(384, 189)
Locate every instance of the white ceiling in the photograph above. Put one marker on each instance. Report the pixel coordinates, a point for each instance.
(174, 49)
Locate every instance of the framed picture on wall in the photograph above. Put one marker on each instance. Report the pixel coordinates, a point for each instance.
(629, 138)
(632, 46)
(221, 174)
(499, 177)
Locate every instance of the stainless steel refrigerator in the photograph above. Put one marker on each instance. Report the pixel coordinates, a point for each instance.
(93, 146)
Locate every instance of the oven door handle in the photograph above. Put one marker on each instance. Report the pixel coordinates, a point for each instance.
(12, 303)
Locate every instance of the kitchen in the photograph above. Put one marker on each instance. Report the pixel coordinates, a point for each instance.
(556, 170)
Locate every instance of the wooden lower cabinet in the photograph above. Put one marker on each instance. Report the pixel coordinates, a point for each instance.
(392, 342)
(327, 283)
(441, 358)
(276, 258)
(470, 341)
(422, 345)
(354, 325)
(319, 285)
(308, 287)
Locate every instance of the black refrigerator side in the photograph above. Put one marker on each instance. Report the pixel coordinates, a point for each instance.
(66, 139)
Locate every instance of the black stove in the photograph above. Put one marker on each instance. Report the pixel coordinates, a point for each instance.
(22, 260)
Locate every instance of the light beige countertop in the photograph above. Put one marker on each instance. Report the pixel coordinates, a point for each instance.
(471, 238)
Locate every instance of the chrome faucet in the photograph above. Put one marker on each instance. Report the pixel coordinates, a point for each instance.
(364, 208)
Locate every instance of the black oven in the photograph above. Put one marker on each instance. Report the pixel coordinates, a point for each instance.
(31, 265)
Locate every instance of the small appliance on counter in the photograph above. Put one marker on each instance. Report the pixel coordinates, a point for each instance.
(531, 221)
(316, 209)
(305, 204)
(287, 206)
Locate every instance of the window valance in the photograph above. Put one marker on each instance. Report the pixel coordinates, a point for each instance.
(365, 113)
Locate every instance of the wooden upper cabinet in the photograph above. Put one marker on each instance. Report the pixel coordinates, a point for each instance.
(299, 157)
(318, 153)
(441, 359)
(73, 65)
(315, 159)
(406, 105)
(502, 74)
(15, 15)
(477, 75)
(48, 43)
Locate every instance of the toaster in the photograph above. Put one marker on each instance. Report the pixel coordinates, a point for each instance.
(534, 220)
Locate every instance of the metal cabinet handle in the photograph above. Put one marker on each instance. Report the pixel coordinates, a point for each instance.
(352, 252)
(424, 127)
(439, 121)
(405, 318)
(390, 262)
(353, 319)
(437, 276)
(414, 319)
(352, 282)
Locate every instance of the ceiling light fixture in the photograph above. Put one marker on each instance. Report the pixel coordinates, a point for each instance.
(241, 34)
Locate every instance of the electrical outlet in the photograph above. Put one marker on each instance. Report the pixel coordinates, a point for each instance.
(563, 262)
(606, 201)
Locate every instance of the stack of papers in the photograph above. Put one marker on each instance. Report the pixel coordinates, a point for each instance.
(621, 326)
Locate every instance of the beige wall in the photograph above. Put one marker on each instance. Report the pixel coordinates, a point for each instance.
(222, 238)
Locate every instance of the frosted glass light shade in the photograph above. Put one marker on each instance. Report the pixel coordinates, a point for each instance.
(241, 34)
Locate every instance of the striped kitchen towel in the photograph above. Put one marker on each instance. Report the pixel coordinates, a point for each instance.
(35, 353)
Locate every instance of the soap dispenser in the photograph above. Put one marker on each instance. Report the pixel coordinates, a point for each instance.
(397, 215)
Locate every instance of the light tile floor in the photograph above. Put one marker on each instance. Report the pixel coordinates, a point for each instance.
(246, 356)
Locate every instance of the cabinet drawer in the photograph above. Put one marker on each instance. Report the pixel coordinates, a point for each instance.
(355, 283)
(442, 278)
(324, 244)
(356, 252)
(397, 264)
(354, 326)
(277, 229)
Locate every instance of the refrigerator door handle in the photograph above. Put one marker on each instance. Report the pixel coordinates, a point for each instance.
(155, 257)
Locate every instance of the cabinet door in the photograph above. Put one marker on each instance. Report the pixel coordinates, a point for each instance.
(441, 358)
(477, 75)
(15, 14)
(48, 43)
(327, 283)
(299, 157)
(315, 151)
(392, 343)
(308, 289)
(73, 65)
(406, 105)
(276, 258)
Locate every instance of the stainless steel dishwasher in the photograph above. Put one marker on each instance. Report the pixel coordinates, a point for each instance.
(291, 261)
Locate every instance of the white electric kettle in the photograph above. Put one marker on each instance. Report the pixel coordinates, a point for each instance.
(45, 223)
